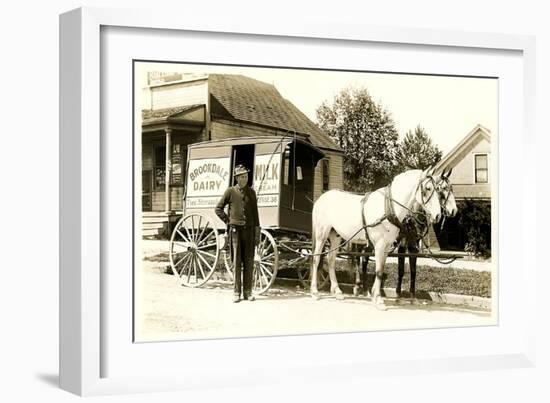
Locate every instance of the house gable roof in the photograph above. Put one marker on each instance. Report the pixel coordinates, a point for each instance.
(254, 101)
(477, 133)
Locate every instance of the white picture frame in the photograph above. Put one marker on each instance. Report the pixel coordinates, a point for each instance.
(85, 349)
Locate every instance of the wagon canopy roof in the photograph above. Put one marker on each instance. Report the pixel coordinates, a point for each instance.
(254, 101)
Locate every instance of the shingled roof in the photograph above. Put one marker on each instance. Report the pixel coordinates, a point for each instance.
(250, 100)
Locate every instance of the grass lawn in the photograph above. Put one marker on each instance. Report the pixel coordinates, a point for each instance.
(428, 279)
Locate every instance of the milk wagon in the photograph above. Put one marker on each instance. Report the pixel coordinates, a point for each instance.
(282, 174)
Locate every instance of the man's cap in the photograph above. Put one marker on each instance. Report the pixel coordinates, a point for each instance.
(240, 169)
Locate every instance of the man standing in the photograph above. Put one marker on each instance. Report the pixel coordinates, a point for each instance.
(244, 230)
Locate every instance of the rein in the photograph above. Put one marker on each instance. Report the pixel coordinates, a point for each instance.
(389, 215)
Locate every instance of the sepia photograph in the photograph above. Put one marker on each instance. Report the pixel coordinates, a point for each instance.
(272, 201)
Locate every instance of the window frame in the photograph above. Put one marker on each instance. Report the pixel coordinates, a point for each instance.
(486, 154)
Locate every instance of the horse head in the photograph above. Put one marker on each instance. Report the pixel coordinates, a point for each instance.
(426, 195)
(445, 193)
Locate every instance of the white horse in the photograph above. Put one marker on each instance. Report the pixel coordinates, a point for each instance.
(338, 214)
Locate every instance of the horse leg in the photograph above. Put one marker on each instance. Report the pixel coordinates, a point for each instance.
(380, 258)
(400, 270)
(364, 267)
(356, 261)
(318, 243)
(412, 266)
(334, 288)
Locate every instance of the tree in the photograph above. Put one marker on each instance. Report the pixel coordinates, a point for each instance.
(417, 151)
(366, 133)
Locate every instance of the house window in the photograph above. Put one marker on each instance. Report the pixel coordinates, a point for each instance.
(481, 168)
(160, 167)
(179, 157)
(326, 172)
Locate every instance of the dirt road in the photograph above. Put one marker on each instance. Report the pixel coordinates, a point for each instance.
(167, 311)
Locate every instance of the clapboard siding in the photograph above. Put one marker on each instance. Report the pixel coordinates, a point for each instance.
(182, 94)
(463, 171)
(222, 129)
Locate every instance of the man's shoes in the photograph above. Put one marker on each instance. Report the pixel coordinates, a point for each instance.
(250, 298)
(236, 298)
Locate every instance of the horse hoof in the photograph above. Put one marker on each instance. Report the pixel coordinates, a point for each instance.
(414, 301)
(355, 291)
(315, 297)
(339, 296)
(381, 307)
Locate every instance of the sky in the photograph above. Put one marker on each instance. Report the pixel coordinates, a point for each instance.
(448, 108)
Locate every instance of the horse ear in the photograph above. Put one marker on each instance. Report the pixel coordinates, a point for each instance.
(449, 173)
(443, 175)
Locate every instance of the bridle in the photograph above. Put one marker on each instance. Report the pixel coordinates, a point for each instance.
(426, 194)
(444, 198)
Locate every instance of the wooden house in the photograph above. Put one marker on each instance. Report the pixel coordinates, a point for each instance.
(471, 179)
(184, 109)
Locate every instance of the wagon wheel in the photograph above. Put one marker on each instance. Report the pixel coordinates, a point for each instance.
(304, 271)
(266, 263)
(194, 250)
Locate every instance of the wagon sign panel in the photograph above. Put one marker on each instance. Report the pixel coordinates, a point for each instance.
(207, 180)
(267, 170)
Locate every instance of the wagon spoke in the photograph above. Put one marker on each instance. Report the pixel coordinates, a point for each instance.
(183, 236)
(264, 270)
(205, 239)
(208, 265)
(262, 275)
(204, 229)
(258, 279)
(265, 253)
(193, 228)
(181, 260)
(185, 265)
(262, 245)
(210, 245)
(190, 237)
(267, 263)
(190, 267)
(267, 257)
(206, 253)
(200, 268)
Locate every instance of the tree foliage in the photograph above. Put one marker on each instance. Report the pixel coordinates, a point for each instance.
(475, 221)
(417, 151)
(366, 133)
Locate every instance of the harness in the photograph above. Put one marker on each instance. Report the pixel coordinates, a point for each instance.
(389, 213)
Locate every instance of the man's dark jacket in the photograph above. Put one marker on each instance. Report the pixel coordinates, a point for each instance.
(243, 207)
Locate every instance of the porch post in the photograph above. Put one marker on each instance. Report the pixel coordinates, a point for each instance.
(167, 196)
